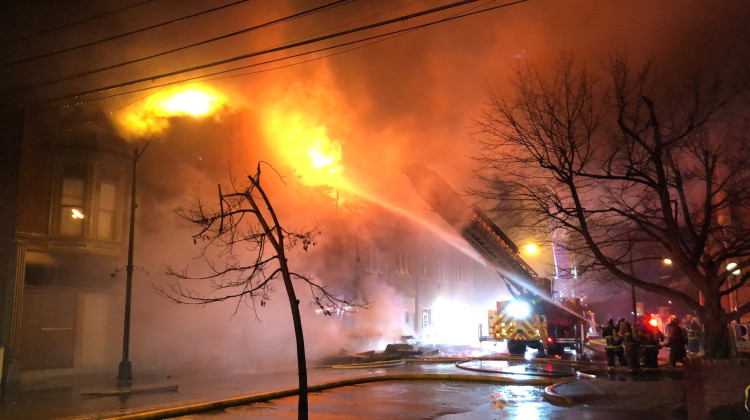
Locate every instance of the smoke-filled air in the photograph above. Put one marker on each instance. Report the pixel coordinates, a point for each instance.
(336, 98)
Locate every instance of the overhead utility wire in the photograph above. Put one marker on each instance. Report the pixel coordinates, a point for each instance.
(265, 62)
(375, 39)
(68, 25)
(281, 48)
(114, 66)
(371, 38)
(122, 35)
(207, 77)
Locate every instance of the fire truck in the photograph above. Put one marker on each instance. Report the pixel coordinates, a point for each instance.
(542, 325)
(532, 318)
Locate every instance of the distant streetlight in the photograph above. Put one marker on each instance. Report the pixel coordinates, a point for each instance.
(731, 266)
(531, 248)
(125, 373)
(667, 261)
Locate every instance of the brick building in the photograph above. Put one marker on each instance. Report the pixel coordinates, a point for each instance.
(65, 181)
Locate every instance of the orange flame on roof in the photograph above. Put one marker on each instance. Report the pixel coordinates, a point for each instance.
(306, 145)
(152, 115)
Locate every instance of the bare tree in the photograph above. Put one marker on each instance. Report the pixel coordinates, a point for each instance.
(633, 172)
(245, 249)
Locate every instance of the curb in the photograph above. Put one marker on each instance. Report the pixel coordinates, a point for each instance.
(557, 399)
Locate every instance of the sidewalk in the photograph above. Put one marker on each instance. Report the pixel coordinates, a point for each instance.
(653, 392)
(96, 396)
(660, 392)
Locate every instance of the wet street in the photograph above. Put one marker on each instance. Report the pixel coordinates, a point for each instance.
(429, 400)
(408, 400)
(87, 398)
(450, 388)
(446, 399)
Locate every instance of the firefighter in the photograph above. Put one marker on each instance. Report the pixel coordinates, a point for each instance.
(631, 347)
(649, 337)
(693, 328)
(613, 345)
(676, 342)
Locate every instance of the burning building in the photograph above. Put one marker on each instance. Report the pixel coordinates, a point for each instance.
(337, 117)
(66, 256)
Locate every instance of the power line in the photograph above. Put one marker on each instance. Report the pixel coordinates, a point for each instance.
(122, 64)
(374, 38)
(275, 49)
(68, 25)
(161, 86)
(122, 35)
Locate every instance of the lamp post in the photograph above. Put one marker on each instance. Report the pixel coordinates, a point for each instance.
(632, 286)
(125, 374)
(734, 273)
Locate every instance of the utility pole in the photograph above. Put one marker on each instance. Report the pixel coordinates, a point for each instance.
(125, 374)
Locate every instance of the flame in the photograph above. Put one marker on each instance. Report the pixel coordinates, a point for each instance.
(306, 145)
(192, 102)
(152, 116)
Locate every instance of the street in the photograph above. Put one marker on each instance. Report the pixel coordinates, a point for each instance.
(457, 387)
(433, 400)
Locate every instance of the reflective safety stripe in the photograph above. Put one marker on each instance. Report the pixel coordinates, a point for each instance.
(619, 347)
(510, 327)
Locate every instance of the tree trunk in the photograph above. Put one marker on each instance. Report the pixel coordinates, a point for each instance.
(278, 244)
(301, 361)
(716, 333)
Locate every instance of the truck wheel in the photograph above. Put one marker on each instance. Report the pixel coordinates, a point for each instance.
(555, 350)
(516, 348)
(536, 345)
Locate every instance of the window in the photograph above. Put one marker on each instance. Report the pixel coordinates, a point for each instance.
(460, 274)
(88, 203)
(402, 264)
(442, 270)
(71, 207)
(374, 256)
(105, 227)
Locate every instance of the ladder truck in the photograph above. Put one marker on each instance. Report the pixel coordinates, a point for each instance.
(532, 318)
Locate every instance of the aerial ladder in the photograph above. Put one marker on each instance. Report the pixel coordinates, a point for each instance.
(532, 318)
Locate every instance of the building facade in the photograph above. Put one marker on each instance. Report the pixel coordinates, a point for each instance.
(66, 180)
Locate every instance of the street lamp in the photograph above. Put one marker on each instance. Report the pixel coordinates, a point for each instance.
(733, 301)
(191, 101)
(125, 374)
(195, 101)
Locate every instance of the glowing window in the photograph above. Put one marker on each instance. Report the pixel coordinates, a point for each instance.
(72, 215)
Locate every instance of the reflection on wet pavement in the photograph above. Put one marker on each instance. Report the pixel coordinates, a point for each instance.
(519, 369)
(408, 400)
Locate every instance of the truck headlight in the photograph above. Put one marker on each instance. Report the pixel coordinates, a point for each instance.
(519, 309)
